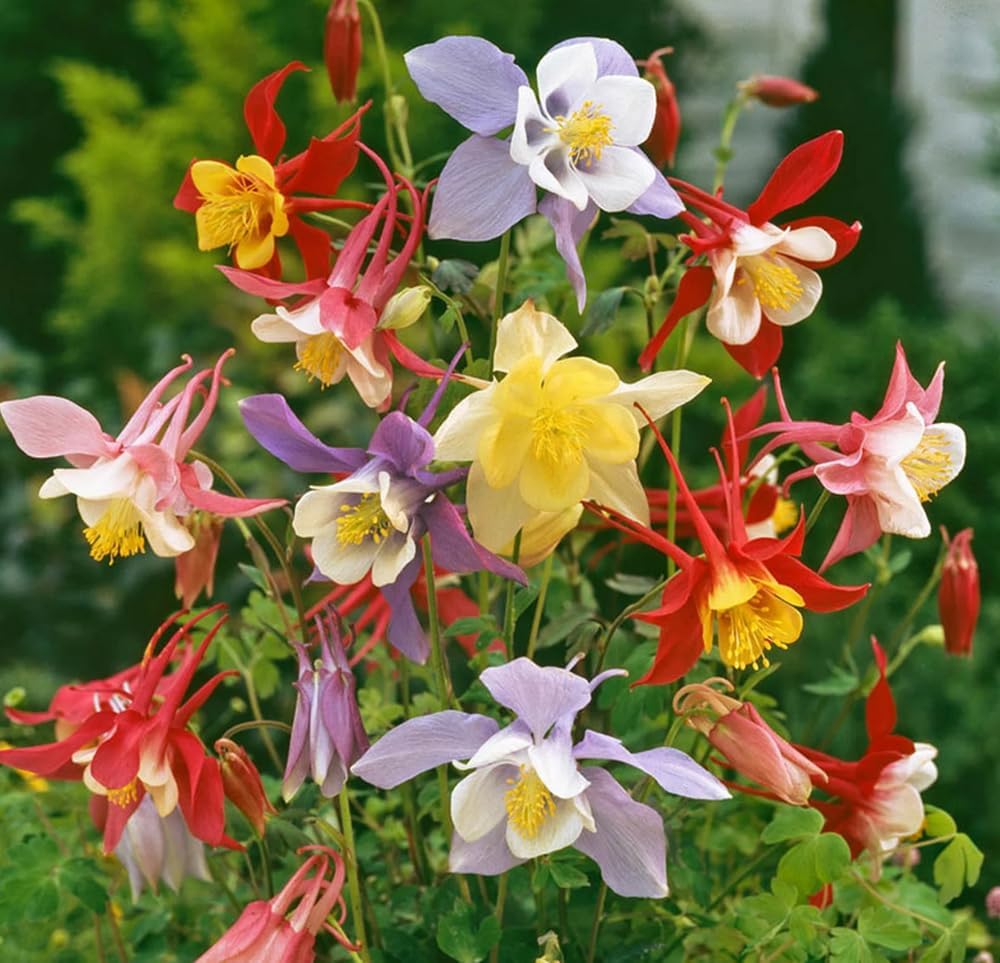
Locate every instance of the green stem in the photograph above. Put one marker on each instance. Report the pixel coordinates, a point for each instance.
(498, 913)
(918, 602)
(509, 620)
(501, 284)
(439, 662)
(265, 859)
(256, 724)
(596, 925)
(259, 719)
(896, 908)
(353, 878)
(817, 510)
(383, 59)
(636, 606)
(536, 621)
(724, 151)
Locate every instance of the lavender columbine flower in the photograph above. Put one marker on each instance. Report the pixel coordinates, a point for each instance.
(374, 518)
(578, 140)
(327, 733)
(527, 795)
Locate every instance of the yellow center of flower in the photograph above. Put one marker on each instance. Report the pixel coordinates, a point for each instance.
(319, 357)
(586, 132)
(785, 515)
(364, 520)
(765, 621)
(123, 796)
(929, 466)
(774, 282)
(558, 436)
(529, 804)
(118, 532)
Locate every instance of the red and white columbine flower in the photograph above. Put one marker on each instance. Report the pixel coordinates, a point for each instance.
(137, 486)
(760, 276)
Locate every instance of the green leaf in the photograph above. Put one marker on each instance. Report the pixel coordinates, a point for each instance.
(938, 823)
(603, 310)
(838, 683)
(473, 625)
(566, 876)
(637, 585)
(957, 866)
(792, 822)
(255, 575)
(886, 927)
(455, 275)
(813, 862)
(460, 938)
(523, 598)
(848, 946)
(562, 626)
(82, 878)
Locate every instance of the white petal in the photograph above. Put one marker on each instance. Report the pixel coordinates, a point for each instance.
(495, 514)
(565, 75)
(372, 382)
(898, 506)
(808, 244)
(458, 437)
(317, 511)
(533, 130)
(104, 479)
(812, 290)
(343, 564)
(553, 761)
(630, 102)
(749, 240)
(273, 329)
(477, 802)
(167, 536)
(618, 487)
(557, 832)
(735, 318)
(618, 179)
(509, 744)
(659, 393)
(52, 488)
(394, 554)
(553, 172)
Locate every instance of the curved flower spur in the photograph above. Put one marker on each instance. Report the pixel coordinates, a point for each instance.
(526, 794)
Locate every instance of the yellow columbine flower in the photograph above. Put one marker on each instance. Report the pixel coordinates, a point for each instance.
(553, 432)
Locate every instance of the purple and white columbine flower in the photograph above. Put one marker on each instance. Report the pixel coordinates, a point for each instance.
(578, 140)
(527, 795)
(373, 519)
(328, 735)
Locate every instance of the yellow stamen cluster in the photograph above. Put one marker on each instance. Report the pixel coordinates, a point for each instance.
(785, 515)
(774, 282)
(748, 630)
(529, 803)
(558, 435)
(364, 520)
(319, 357)
(929, 467)
(243, 210)
(124, 796)
(118, 532)
(586, 132)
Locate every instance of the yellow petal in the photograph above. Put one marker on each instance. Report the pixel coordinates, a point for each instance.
(211, 177)
(611, 434)
(503, 447)
(254, 252)
(552, 486)
(258, 167)
(576, 379)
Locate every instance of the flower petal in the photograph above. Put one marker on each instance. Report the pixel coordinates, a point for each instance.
(659, 393)
(558, 831)
(658, 200)
(631, 104)
(553, 760)
(496, 514)
(565, 74)
(569, 226)
(489, 856)
(528, 331)
(477, 802)
(734, 318)
(540, 695)
(618, 178)
(421, 744)
(805, 304)
(808, 244)
(552, 171)
(46, 426)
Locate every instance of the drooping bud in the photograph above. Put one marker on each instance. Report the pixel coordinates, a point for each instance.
(342, 48)
(748, 743)
(661, 145)
(195, 568)
(777, 91)
(242, 784)
(405, 308)
(993, 903)
(958, 594)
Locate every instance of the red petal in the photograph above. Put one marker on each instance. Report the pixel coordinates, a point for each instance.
(187, 197)
(764, 549)
(680, 646)
(845, 235)
(819, 594)
(693, 291)
(116, 761)
(324, 165)
(880, 709)
(314, 246)
(803, 172)
(407, 358)
(745, 419)
(265, 126)
(263, 287)
(53, 758)
(759, 356)
(117, 819)
(199, 785)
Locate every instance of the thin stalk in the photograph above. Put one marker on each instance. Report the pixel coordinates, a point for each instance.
(918, 602)
(896, 908)
(353, 878)
(498, 913)
(543, 589)
(116, 935)
(259, 718)
(383, 60)
(256, 724)
(501, 284)
(439, 662)
(484, 593)
(596, 925)
(265, 859)
(724, 151)
(509, 620)
(683, 345)
(99, 940)
(817, 510)
(636, 606)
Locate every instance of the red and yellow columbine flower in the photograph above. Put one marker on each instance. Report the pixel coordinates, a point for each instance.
(140, 743)
(246, 207)
(746, 592)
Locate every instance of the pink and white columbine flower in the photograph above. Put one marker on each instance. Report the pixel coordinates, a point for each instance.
(886, 466)
(137, 486)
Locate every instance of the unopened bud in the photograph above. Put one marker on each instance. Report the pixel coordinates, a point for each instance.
(661, 145)
(405, 308)
(958, 594)
(399, 109)
(993, 903)
(777, 91)
(983, 956)
(242, 784)
(342, 48)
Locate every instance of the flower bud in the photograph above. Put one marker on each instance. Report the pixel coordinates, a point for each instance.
(405, 308)
(195, 568)
(958, 594)
(993, 903)
(342, 48)
(661, 145)
(778, 91)
(242, 784)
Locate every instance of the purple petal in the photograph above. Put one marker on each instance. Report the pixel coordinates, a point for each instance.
(488, 856)
(570, 225)
(612, 57)
(659, 200)
(278, 430)
(402, 442)
(453, 547)
(629, 843)
(673, 770)
(297, 767)
(421, 744)
(404, 631)
(469, 78)
(540, 696)
(481, 192)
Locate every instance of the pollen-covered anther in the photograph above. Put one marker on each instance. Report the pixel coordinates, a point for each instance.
(785, 515)
(929, 466)
(124, 795)
(586, 132)
(529, 803)
(320, 357)
(242, 210)
(774, 282)
(558, 435)
(366, 519)
(747, 631)
(118, 532)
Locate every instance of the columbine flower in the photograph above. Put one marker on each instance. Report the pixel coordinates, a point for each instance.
(553, 432)
(748, 592)
(662, 141)
(265, 931)
(143, 745)
(760, 277)
(526, 795)
(346, 325)
(328, 736)
(373, 520)
(958, 594)
(155, 847)
(886, 466)
(137, 486)
(242, 784)
(247, 206)
(747, 742)
(577, 140)
(875, 802)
